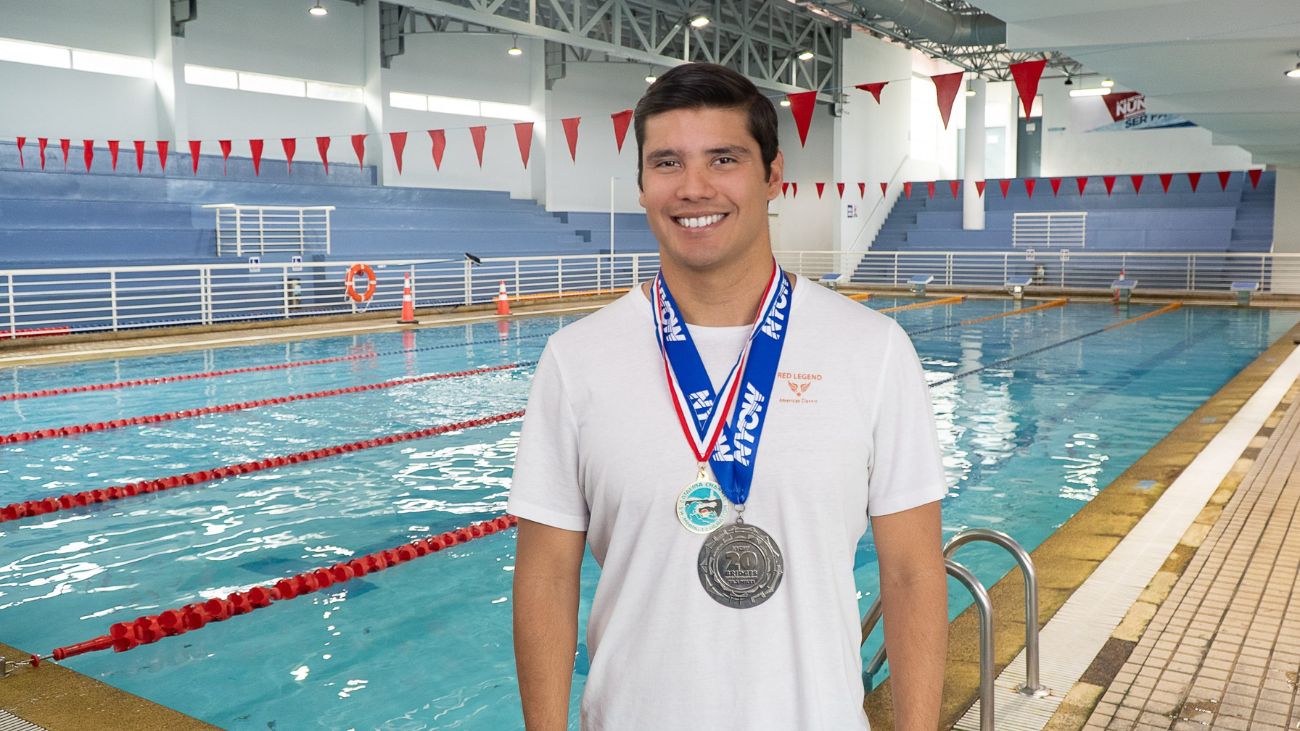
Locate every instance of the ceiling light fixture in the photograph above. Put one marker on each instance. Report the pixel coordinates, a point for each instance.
(806, 55)
(1107, 83)
(650, 76)
(318, 10)
(515, 50)
(1295, 72)
(699, 21)
(785, 102)
(1069, 81)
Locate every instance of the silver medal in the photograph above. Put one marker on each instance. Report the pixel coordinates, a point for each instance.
(740, 565)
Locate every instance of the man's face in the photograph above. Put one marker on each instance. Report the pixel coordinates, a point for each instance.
(703, 187)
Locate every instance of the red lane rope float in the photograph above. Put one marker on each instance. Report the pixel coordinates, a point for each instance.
(249, 369)
(150, 628)
(32, 508)
(65, 431)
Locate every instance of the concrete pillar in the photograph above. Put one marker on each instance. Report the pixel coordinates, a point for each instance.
(375, 93)
(169, 78)
(1286, 231)
(972, 209)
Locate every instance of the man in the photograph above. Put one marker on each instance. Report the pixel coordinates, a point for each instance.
(726, 602)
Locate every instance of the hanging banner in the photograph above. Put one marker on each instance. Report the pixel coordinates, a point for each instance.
(1137, 183)
(359, 147)
(785, 188)
(1005, 185)
(1254, 175)
(1027, 75)
(801, 106)
(225, 154)
(88, 152)
(884, 189)
(794, 190)
(979, 186)
(1223, 179)
(41, 143)
(946, 87)
(1082, 182)
(195, 145)
(954, 186)
(1165, 180)
(571, 134)
(1109, 182)
(323, 147)
(621, 121)
(524, 136)
(64, 146)
(255, 146)
(139, 155)
(1128, 111)
(1194, 179)
(162, 146)
(820, 188)
(439, 139)
(479, 135)
(929, 189)
(290, 145)
(113, 147)
(398, 141)
(862, 190)
(22, 163)
(840, 187)
(1029, 186)
(874, 89)
(1056, 185)
(907, 190)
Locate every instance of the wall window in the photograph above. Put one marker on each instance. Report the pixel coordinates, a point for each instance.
(79, 59)
(462, 107)
(270, 84)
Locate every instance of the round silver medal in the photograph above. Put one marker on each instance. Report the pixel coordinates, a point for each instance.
(740, 565)
(701, 507)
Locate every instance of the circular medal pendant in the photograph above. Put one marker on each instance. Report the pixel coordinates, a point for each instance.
(740, 566)
(701, 507)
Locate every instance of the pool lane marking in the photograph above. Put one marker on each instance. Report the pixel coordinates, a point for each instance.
(65, 431)
(313, 335)
(977, 320)
(930, 303)
(1167, 308)
(29, 508)
(150, 628)
(41, 393)
(859, 297)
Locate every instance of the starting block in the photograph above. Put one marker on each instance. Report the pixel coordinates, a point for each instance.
(1243, 291)
(1016, 286)
(831, 281)
(1123, 289)
(918, 282)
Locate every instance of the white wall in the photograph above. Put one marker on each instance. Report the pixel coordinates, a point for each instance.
(804, 222)
(112, 26)
(1286, 230)
(593, 91)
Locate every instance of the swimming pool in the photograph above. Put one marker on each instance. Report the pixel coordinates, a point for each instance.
(1027, 441)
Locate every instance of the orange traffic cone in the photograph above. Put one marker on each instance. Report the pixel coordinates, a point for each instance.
(408, 303)
(1114, 295)
(503, 302)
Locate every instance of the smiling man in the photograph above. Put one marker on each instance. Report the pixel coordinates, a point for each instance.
(721, 436)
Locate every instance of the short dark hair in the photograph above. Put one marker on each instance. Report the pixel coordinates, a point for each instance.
(707, 85)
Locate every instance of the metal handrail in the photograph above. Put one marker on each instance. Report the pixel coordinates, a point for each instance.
(985, 610)
(263, 229)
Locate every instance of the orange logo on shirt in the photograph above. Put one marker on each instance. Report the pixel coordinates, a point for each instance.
(799, 385)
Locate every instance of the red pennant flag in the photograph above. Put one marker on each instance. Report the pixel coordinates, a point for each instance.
(1194, 179)
(1223, 179)
(41, 142)
(1029, 186)
(1005, 185)
(875, 89)
(621, 121)
(1165, 179)
(979, 186)
(884, 189)
(801, 106)
(524, 136)
(1254, 174)
(225, 154)
(256, 147)
(571, 134)
(1109, 181)
(398, 140)
(65, 145)
(794, 190)
(439, 139)
(862, 190)
(290, 145)
(359, 147)
(88, 152)
(323, 147)
(194, 155)
(162, 153)
(929, 189)
(907, 189)
(840, 187)
(1027, 74)
(1137, 183)
(954, 186)
(946, 87)
(113, 147)
(139, 155)
(785, 187)
(479, 136)
(21, 162)
(1056, 185)
(820, 188)
(1082, 182)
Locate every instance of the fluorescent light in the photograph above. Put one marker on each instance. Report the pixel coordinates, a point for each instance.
(112, 63)
(266, 84)
(1293, 73)
(785, 102)
(402, 100)
(38, 54)
(1107, 83)
(454, 105)
(806, 55)
(650, 78)
(208, 76)
(699, 21)
(317, 10)
(335, 92)
(1099, 91)
(516, 112)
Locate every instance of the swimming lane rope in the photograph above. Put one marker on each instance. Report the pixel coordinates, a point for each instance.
(986, 318)
(30, 508)
(65, 431)
(19, 395)
(150, 628)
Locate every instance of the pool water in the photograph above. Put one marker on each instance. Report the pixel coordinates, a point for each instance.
(1027, 441)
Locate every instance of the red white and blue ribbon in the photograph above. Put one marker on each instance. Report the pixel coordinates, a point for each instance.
(724, 425)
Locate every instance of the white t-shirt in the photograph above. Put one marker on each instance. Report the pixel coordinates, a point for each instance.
(850, 433)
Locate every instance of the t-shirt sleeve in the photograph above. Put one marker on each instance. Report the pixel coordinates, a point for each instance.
(906, 465)
(545, 487)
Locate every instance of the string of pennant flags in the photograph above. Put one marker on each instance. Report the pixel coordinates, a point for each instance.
(791, 188)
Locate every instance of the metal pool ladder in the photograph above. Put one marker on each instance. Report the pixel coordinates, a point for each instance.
(1032, 686)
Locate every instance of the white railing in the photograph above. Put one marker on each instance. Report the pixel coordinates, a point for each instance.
(88, 299)
(1054, 229)
(264, 230)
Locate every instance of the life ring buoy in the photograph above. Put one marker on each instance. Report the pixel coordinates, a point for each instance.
(350, 282)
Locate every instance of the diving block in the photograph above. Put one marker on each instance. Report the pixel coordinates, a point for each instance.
(831, 281)
(1243, 291)
(917, 283)
(1017, 286)
(1123, 289)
